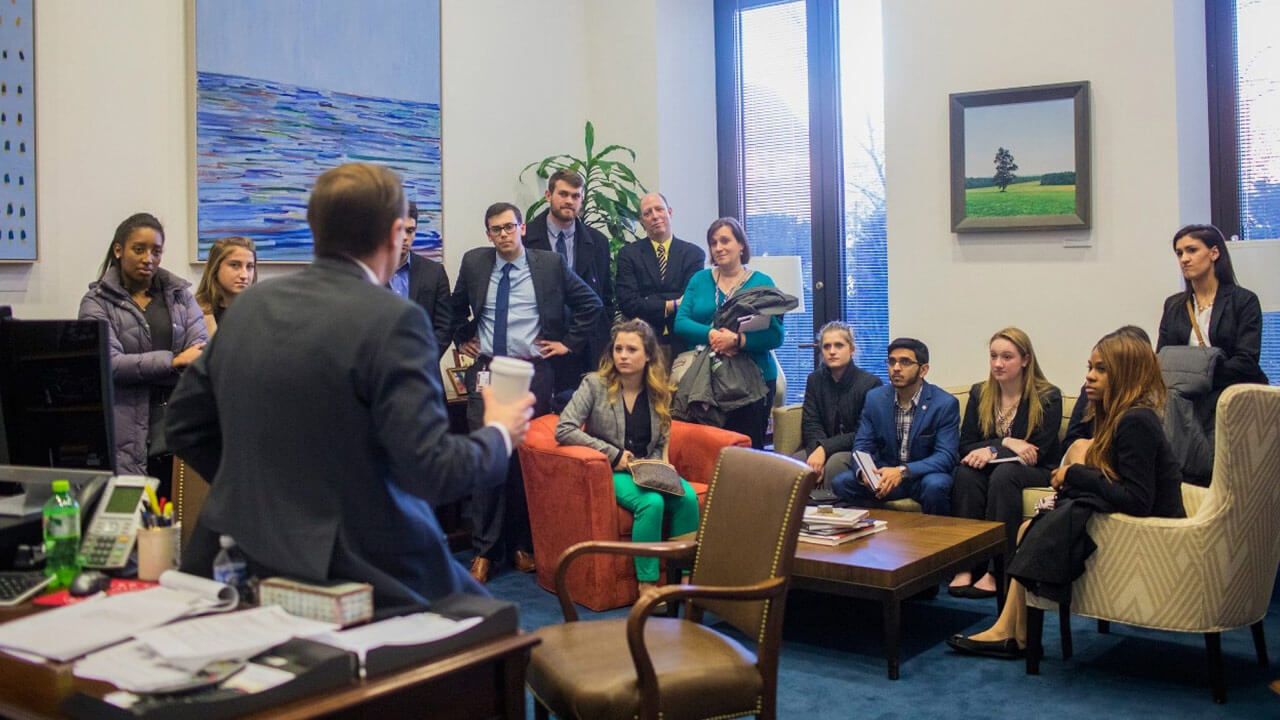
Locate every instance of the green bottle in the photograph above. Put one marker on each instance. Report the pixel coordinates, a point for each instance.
(61, 535)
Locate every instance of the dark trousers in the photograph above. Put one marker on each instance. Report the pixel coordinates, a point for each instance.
(753, 420)
(499, 517)
(995, 493)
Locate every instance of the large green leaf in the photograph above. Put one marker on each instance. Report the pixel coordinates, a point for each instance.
(591, 137)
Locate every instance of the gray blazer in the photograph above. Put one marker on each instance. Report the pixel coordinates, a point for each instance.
(590, 419)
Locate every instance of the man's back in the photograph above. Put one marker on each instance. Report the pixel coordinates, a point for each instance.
(333, 435)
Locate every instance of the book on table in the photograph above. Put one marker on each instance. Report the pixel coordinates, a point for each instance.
(831, 535)
(837, 517)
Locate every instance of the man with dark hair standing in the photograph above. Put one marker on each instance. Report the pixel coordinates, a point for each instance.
(423, 281)
(911, 429)
(653, 272)
(586, 251)
(526, 304)
(335, 434)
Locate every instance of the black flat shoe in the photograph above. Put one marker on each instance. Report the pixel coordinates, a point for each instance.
(1006, 649)
(971, 592)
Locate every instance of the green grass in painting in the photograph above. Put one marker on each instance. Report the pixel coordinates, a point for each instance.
(1030, 198)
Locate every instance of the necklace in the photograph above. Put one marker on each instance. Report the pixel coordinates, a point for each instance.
(741, 278)
(1004, 419)
(1201, 306)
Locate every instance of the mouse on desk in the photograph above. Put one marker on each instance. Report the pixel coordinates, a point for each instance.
(88, 583)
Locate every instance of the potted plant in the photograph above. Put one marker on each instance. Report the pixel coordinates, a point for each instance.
(611, 196)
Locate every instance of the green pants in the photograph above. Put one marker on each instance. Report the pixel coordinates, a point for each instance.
(650, 507)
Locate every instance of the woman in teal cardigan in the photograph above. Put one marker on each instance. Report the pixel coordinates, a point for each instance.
(708, 289)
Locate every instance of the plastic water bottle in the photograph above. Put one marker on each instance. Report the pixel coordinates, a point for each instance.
(232, 568)
(61, 520)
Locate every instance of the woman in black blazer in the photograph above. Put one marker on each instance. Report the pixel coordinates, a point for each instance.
(1128, 468)
(1015, 416)
(1228, 316)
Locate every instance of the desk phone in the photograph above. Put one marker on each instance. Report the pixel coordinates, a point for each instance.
(109, 539)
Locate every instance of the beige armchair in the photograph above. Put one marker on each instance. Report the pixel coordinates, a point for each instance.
(787, 439)
(1206, 573)
(655, 667)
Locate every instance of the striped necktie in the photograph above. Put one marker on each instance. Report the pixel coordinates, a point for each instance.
(662, 261)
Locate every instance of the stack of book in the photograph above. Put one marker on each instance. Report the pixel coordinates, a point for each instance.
(836, 526)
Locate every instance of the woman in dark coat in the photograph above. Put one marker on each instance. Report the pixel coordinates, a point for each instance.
(1226, 316)
(1128, 468)
(155, 330)
(1008, 441)
(833, 397)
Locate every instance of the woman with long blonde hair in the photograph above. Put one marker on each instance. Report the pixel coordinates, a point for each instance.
(624, 411)
(1008, 441)
(1128, 468)
(232, 267)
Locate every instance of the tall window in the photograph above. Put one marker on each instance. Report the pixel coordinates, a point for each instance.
(801, 109)
(1258, 108)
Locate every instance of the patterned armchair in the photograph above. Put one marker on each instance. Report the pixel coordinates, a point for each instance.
(1208, 572)
(571, 500)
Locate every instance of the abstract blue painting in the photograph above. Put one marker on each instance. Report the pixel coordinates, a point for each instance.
(288, 89)
(17, 134)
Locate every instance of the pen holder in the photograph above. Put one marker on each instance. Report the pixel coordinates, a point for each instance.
(158, 550)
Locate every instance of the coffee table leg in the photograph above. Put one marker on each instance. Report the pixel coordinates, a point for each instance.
(892, 628)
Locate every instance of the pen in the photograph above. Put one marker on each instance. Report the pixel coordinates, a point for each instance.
(151, 498)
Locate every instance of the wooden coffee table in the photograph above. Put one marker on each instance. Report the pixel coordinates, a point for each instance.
(913, 553)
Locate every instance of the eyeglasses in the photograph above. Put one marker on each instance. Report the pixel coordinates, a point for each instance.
(901, 362)
(500, 230)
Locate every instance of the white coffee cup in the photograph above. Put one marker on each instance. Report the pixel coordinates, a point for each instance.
(510, 378)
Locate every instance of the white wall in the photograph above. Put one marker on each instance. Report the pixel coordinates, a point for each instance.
(1145, 62)
(111, 89)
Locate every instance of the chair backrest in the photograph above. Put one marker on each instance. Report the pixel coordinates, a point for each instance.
(189, 493)
(754, 506)
(1244, 496)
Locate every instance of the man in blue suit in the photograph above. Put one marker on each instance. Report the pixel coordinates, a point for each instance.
(911, 429)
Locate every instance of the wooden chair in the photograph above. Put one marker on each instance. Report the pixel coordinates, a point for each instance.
(1208, 572)
(649, 667)
(189, 492)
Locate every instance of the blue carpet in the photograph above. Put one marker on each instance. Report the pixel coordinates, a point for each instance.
(833, 666)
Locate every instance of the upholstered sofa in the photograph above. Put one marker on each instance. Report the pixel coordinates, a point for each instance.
(787, 439)
(571, 500)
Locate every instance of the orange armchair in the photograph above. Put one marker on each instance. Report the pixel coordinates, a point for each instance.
(570, 495)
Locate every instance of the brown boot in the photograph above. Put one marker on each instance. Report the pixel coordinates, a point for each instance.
(480, 570)
(523, 561)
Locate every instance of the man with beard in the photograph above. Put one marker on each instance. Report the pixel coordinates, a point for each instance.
(911, 429)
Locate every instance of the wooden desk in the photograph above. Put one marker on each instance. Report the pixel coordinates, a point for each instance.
(913, 553)
(486, 681)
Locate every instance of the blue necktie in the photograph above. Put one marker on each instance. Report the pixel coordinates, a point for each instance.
(563, 249)
(500, 312)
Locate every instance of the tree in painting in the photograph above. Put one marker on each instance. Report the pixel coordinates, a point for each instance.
(1004, 168)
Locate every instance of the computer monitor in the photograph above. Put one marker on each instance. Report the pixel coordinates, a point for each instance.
(56, 394)
(38, 486)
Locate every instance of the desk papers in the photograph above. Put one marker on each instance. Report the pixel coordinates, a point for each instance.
(416, 629)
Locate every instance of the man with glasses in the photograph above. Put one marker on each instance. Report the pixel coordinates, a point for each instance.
(586, 251)
(911, 429)
(653, 272)
(522, 303)
(423, 281)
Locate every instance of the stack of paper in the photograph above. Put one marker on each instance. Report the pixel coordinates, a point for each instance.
(416, 629)
(69, 632)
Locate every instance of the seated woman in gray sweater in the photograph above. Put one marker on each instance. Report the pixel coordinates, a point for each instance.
(624, 411)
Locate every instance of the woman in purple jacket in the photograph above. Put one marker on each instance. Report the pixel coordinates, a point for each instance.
(155, 330)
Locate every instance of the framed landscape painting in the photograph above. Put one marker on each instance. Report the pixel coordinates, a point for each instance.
(1020, 159)
(288, 89)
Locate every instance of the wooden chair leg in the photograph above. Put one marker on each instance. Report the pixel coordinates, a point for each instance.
(1104, 626)
(540, 711)
(1064, 629)
(1035, 646)
(1213, 646)
(1260, 644)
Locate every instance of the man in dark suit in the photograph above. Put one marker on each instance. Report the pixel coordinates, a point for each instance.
(423, 281)
(527, 304)
(334, 429)
(911, 429)
(653, 273)
(586, 251)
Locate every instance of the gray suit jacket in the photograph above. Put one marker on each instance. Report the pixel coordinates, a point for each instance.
(590, 419)
(319, 389)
